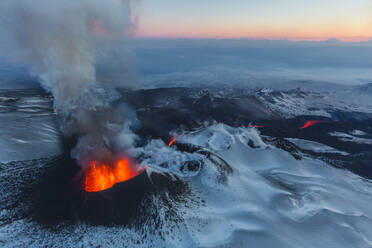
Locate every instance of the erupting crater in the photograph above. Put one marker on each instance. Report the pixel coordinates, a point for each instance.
(100, 176)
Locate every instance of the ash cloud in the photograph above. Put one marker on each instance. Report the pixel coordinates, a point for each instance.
(60, 43)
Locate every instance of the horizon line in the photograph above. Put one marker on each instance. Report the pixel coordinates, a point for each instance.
(291, 39)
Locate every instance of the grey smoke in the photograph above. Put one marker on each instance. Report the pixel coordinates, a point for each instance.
(82, 70)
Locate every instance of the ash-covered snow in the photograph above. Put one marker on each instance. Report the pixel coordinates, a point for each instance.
(358, 133)
(350, 138)
(28, 127)
(315, 146)
(316, 102)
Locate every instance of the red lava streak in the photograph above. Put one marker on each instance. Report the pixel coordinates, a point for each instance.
(99, 176)
(311, 123)
(172, 141)
(256, 126)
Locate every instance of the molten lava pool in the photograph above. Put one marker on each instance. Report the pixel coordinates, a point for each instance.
(99, 176)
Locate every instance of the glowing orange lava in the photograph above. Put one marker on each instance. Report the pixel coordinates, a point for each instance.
(310, 123)
(172, 141)
(99, 176)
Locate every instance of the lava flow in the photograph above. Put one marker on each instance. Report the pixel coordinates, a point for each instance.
(99, 176)
(311, 123)
(172, 141)
(256, 126)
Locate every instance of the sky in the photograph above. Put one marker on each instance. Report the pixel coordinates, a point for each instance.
(347, 20)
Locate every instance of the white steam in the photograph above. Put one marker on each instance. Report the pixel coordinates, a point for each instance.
(62, 42)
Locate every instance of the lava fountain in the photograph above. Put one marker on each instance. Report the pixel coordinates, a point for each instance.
(100, 176)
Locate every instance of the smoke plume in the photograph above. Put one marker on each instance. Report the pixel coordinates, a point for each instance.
(63, 43)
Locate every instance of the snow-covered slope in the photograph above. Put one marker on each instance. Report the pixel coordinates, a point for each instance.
(315, 146)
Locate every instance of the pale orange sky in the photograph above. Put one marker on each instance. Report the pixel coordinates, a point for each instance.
(347, 20)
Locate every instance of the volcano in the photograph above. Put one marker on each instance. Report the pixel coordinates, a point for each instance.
(234, 158)
(100, 194)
